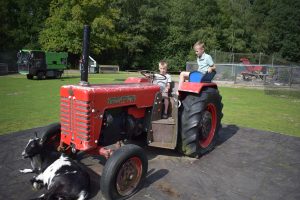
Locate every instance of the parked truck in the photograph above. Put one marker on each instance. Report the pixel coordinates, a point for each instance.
(41, 64)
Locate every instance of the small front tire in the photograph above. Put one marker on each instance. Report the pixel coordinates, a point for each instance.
(124, 173)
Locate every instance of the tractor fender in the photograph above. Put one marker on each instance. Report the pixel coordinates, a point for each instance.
(195, 87)
(136, 80)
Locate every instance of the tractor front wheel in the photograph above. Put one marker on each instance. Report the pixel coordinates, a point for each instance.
(200, 122)
(124, 172)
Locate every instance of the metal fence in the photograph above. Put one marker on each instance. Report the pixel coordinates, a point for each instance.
(254, 74)
(257, 58)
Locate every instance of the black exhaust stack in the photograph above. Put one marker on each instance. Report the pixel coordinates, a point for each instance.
(85, 56)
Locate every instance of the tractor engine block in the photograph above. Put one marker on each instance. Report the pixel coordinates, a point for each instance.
(119, 125)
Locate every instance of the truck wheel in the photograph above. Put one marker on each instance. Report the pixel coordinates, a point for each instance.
(40, 75)
(124, 172)
(29, 76)
(200, 122)
(57, 75)
(51, 136)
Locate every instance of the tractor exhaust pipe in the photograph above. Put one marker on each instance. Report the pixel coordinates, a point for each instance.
(85, 56)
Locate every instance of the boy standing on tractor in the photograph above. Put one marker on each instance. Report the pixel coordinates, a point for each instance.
(164, 85)
(205, 65)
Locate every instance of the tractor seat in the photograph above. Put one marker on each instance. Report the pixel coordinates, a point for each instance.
(198, 77)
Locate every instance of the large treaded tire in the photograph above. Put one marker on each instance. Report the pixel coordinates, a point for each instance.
(124, 173)
(201, 116)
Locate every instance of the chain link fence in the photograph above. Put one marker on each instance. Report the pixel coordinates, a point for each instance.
(256, 58)
(275, 75)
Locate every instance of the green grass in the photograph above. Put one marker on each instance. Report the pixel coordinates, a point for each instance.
(254, 109)
(27, 104)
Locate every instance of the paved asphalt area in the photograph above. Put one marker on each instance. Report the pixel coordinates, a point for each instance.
(247, 164)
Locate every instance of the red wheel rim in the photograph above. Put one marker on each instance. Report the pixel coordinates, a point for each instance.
(129, 176)
(205, 142)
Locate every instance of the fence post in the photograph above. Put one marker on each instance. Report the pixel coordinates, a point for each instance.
(215, 55)
(235, 74)
(290, 76)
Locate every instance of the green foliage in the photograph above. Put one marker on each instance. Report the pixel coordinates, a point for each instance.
(136, 34)
(21, 22)
(142, 25)
(63, 29)
(284, 28)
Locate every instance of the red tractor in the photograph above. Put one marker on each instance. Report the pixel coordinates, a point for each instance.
(110, 119)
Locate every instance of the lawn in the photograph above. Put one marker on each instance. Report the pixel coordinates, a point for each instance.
(27, 104)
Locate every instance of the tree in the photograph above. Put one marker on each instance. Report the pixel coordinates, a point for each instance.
(142, 25)
(63, 29)
(283, 27)
(234, 27)
(190, 21)
(21, 21)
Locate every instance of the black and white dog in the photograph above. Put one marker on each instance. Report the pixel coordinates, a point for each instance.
(63, 177)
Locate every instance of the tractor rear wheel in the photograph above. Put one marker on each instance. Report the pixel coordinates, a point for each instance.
(200, 122)
(124, 172)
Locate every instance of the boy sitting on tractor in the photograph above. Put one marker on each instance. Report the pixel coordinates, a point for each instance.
(164, 85)
(205, 65)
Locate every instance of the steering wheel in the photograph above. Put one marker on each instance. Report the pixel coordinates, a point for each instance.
(153, 75)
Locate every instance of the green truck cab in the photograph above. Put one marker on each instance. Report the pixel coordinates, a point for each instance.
(41, 64)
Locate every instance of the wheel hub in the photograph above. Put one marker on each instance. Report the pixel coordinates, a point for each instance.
(205, 125)
(129, 176)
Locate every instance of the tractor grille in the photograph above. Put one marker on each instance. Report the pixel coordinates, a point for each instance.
(75, 118)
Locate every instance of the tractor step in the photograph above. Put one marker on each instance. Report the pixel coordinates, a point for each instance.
(169, 121)
(162, 145)
(163, 133)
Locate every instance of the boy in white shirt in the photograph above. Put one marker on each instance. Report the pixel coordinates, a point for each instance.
(164, 84)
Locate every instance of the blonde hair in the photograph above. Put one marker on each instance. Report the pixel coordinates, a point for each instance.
(163, 63)
(199, 43)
